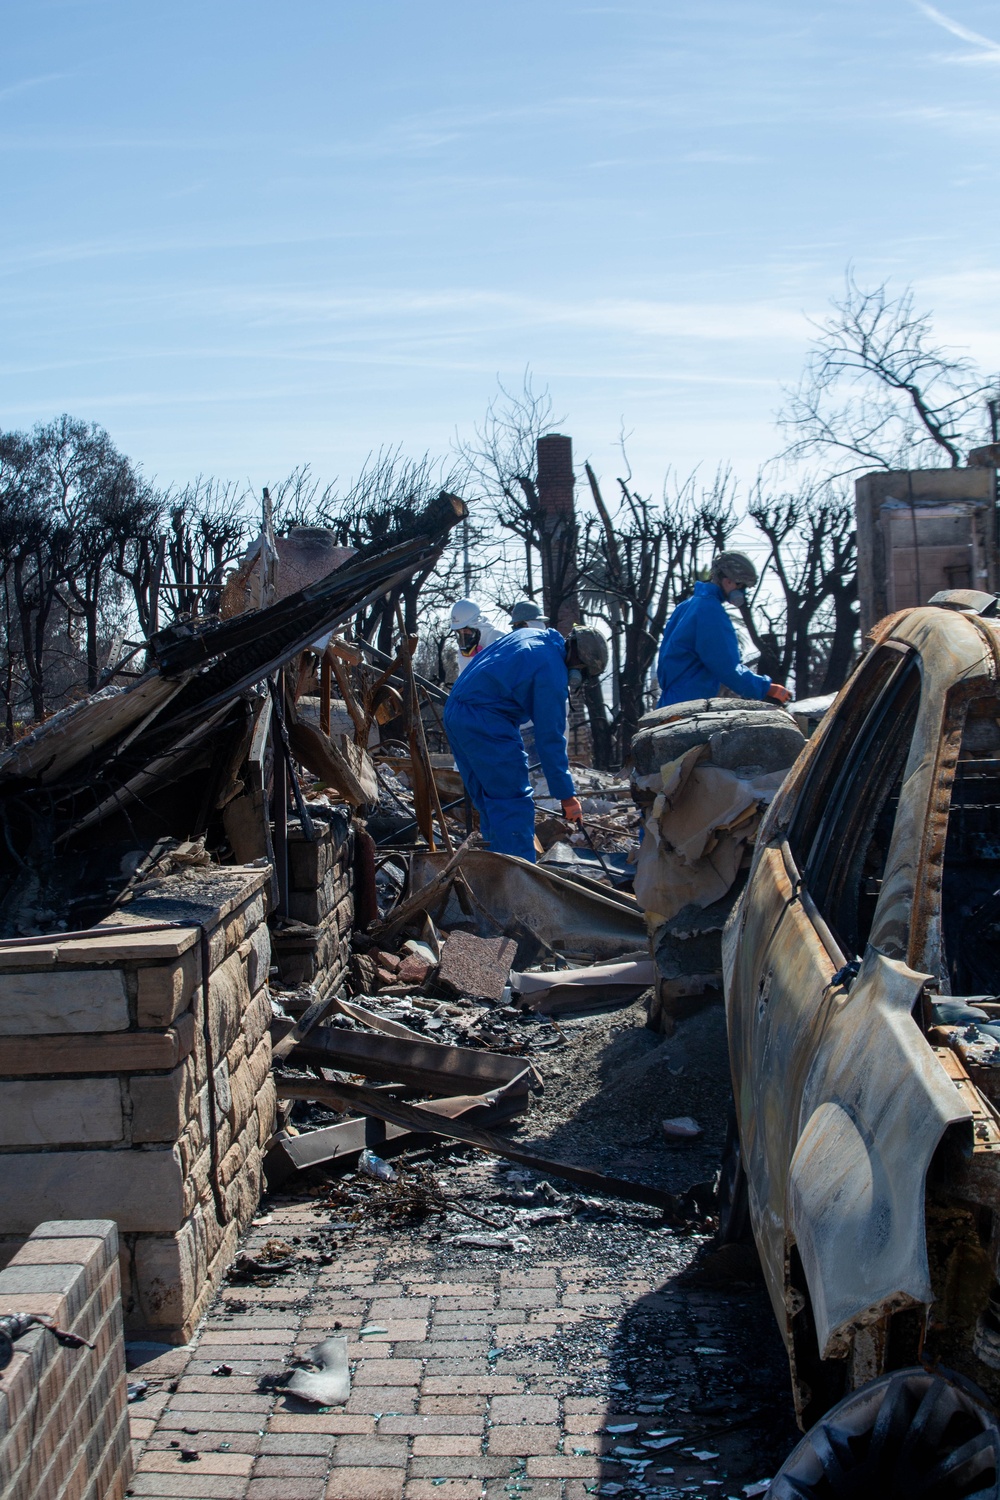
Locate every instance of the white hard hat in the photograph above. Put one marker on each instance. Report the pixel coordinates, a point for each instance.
(466, 615)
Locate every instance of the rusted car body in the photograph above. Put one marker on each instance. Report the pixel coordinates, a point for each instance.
(862, 975)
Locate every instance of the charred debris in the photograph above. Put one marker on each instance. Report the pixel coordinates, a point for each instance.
(267, 735)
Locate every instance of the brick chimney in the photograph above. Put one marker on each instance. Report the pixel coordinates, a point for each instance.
(559, 593)
(555, 494)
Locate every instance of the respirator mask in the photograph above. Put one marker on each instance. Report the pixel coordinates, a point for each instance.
(737, 597)
(575, 677)
(468, 640)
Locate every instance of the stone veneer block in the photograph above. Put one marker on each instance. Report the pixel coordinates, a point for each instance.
(62, 1001)
(170, 1271)
(164, 990)
(125, 947)
(85, 1111)
(162, 1104)
(258, 957)
(140, 1190)
(113, 1052)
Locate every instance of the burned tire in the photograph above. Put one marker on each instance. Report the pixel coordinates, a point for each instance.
(910, 1435)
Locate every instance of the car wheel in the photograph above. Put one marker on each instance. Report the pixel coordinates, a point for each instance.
(906, 1435)
(731, 1191)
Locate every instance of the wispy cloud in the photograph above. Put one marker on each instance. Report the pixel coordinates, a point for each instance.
(19, 260)
(987, 50)
(644, 319)
(10, 90)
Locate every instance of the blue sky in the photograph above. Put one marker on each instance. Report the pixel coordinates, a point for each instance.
(246, 236)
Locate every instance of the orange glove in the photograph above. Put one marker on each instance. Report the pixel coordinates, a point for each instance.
(778, 693)
(572, 811)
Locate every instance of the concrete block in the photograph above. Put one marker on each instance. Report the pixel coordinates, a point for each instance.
(308, 864)
(102, 1052)
(228, 998)
(170, 1271)
(244, 920)
(259, 958)
(91, 1229)
(242, 1196)
(140, 1190)
(259, 1062)
(34, 956)
(76, 1111)
(126, 1276)
(257, 1020)
(267, 1111)
(164, 990)
(63, 1000)
(237, 1054)
(126, 948)
(243, 1098)
(310, 906)
(162, 1105)
(193, 1139)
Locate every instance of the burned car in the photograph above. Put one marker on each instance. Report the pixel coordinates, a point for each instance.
(862, 979)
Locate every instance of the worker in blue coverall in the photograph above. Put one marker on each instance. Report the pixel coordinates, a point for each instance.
(524, 675)
(699, 652)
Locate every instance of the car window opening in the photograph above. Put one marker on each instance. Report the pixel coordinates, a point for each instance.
(970, 899)
(885, 665)
(846, 860)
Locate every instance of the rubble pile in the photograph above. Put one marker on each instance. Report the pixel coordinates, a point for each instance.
(444, 1011)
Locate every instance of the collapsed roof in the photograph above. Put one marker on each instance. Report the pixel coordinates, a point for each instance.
(89, 793)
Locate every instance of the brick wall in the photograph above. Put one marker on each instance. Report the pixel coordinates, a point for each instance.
(315, 947)
(63, 1412)
(108, 1104)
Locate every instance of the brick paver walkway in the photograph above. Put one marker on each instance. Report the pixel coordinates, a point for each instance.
(486, 1375)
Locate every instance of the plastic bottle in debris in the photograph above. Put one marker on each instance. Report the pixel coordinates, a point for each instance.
(374, 1166)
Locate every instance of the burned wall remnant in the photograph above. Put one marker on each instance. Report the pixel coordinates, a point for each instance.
(922, 531)
(135, 1085)
(313, 944)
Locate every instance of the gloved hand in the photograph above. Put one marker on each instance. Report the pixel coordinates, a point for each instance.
(572, 811)
(778, 693)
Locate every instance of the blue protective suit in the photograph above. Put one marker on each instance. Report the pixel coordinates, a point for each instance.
(521, 676)
(699, 652)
